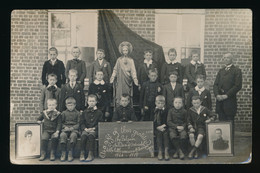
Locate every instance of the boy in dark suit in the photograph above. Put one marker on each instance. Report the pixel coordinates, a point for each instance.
(201, 91)
(172, 89)
(51, 129)
(77, 64)
(177, 121)
(73, 89)
(70, 128)
(150, 89)
(124, 112)
(197, 117)
(101, 89)
(100, 64)
(51, 91)
(169, 67)
(89, 126)
(53, 66)
(143, 70)
(194, 68)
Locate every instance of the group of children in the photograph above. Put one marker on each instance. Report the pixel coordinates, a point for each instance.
(176, 118)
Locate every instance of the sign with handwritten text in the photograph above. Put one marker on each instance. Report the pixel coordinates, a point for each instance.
(124, 139)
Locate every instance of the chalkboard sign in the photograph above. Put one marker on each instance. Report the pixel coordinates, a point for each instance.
(122, 140)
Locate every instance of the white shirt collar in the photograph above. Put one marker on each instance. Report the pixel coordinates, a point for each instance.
(148, 62)
(159, 108)
(172, 62)
(51, 85)
(100, 61)
(55, 110)
(99, 82)
(194, 62)
(73, 83)
(198, 110)
(173, 85)
(94, 108)
(228, 66)
(200, 90)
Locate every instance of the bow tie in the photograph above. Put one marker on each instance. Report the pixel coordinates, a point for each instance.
(52, 88)
(90, 109)
(77, 60)
(49, 112)
(158, 110)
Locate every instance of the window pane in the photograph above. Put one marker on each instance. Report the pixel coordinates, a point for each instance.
(167, 22)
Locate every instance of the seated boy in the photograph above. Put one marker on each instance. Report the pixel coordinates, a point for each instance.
(101, 89)
(171, 66)
(76, 64)
(172, 89)
(100, 64)
(51, 128)
(194, 68)
(145, 67)
(51, 91)
(124, 112)
(150, 89)
(176, 121)
(70, 128)
(201, 91)
(197, 117)
(73, 89)
(89, 127)
(159, 115)
(53, 66)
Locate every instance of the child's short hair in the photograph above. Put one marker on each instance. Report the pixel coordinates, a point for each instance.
(178, 97)
(172, 50)
(153, 70)
(70, 100)
(148, 51)
(51, 99)
(194, 52)
(28, 132)
(75, 47)
(73, 71)
(195, 98)
(100, 50)
(52, 75)
(173, 73)
(53, 49)
(124, 95)
(160, 98)
(98, 71)
(200, 76)
(92, 96)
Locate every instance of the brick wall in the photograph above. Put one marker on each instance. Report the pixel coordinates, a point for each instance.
(225, 30)
(29, 45)
(231, 30)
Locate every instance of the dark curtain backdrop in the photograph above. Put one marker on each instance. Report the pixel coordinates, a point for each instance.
(112, 31)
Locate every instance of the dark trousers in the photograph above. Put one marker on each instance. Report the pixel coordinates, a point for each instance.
(44, 142)
(87, 141)
(162, 139)
(178, 138)
(64, 137)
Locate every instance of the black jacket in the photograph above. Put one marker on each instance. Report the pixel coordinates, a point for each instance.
(205, 98)
(52, 120)
(124, 114)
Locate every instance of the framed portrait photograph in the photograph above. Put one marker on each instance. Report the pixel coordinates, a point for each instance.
(220, 139)
(27, 140)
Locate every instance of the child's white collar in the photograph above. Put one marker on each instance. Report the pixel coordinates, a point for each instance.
(194, 62)
(159, 108)
(51, 85)
(94, 108)
(172, 62)
(99, 82)
(148, 62)
(199, 89)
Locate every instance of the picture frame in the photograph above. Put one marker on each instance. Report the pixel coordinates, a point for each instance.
(27, 140)
(220, 139)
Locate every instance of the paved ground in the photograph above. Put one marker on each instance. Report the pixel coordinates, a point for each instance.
(242, 149)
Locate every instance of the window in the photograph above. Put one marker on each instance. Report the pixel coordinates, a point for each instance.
(68, 28)
(182, 30)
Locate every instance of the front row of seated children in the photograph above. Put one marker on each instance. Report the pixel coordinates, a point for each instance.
(173, 124)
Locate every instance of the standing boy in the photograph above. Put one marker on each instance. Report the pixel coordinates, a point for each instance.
(101, 89)
(100, 64)
(73, 89)
(150, 89)
(194, 68)
(51, 91)
(145, 67)
(197, 117)
(172, 89)
(70, 128)
(124, 112)
(77, 64)
(159, 117)
(53, 66)
(201, 91)
(51, 128)
(89, 127)
(169, 67)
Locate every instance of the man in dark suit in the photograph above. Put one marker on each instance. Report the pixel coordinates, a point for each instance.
(220, 143)
(227, 84)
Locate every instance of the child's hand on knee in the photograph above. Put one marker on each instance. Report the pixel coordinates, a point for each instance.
(192, 130)
(180, 128)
